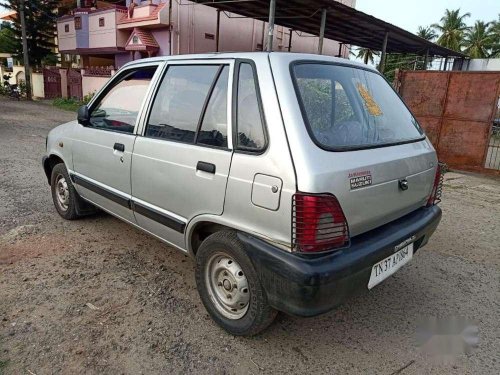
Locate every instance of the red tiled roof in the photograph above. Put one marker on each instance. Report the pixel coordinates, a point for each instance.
(148, 41)
(152, 16)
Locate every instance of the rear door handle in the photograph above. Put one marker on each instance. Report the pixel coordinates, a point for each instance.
(205, 167)
(119, 147)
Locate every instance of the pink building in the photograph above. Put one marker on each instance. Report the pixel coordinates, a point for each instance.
(106, 34)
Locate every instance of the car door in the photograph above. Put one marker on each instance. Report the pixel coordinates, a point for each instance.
(181, 163)
(102, 149)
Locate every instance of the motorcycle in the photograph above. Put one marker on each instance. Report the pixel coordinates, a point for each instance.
(12, 90)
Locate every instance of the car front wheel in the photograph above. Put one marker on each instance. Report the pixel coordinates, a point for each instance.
(229, 287)
(64, 195)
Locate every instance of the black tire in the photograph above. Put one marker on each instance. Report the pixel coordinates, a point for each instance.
(70, 211)
(259, 315)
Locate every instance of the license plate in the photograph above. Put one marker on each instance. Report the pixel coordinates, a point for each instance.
(385, 268)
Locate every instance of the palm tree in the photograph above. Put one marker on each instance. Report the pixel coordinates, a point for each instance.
(478, 41)
(494, 30)
(426, 33)
(366, 54)
(452, 29)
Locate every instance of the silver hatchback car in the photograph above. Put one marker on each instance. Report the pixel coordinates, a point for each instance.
(293, 180)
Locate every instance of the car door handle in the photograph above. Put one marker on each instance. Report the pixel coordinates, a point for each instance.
(205, 167)
(119, 147)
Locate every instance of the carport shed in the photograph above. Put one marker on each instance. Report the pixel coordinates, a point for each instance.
(333, 20)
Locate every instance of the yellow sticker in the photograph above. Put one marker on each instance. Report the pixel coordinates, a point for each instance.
(370, 103)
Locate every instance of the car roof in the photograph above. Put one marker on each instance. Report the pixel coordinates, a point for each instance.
(280, 57)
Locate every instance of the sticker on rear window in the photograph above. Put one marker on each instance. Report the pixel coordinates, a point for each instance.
(360, 179)
(370, 103)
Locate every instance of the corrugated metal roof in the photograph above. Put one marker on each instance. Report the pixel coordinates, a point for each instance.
(343, 23)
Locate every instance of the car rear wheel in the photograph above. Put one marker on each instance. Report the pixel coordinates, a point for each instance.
(64, 195)
(229, 287)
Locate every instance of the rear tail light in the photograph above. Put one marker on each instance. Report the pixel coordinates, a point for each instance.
(437, 188)
(318, 223)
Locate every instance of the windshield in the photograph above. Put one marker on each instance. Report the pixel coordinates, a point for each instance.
(348, 108)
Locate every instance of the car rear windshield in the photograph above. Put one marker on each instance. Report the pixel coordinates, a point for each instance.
(348, 108)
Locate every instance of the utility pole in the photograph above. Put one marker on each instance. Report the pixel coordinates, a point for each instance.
(27, 69)
(270, 29)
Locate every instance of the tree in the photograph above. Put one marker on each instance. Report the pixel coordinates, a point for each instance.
(426, 33)
(404, 61)
(40, 28)
(452, 29)
(366, 54)
(494, 31)
(7, 44)
(478, 41)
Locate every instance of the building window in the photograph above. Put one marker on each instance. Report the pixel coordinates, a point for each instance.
(259, 46)
(135, 39)
(66, 28)
(209, 36)
(101, 22)
(78, 23)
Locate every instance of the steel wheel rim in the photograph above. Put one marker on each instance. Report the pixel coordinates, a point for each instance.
(227, 286)
(62, 192)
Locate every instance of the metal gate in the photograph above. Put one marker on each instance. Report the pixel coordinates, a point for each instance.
(493, 154)
(75, 84)
(52, 83)
(457, 110)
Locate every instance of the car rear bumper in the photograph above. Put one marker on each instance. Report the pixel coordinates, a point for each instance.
(306, 285)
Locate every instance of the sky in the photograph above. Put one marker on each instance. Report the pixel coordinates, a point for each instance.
(410, 14)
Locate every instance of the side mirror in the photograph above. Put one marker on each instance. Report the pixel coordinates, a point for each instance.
(83, 115)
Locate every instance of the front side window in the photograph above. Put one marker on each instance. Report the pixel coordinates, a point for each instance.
(119, 108)
(250, 125)
(349, 108)
(180, 101)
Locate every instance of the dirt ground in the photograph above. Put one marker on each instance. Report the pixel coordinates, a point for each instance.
(97, 296)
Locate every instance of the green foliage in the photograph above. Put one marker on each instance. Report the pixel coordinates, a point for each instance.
(67, 104)
(317, 97)
(426, 33)
(22, 88)
(71, 104)
(478, 41)
(452, 28)
(7, 39)
(494, 30)
(3, 365)
(367, 55)
(405, 61)
(40, 28)
(87, 98)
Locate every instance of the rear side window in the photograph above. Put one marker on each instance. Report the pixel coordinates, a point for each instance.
(180, 100)
(213, 130)
(250, 122)
(350, 108)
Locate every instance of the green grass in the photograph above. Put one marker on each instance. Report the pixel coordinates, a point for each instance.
(70, 104)
(67, 104)
(3, 365)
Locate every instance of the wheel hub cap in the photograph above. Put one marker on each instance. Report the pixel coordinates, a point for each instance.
(62, 192)
(227, 286)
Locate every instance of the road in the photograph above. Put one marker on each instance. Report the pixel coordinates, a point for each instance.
(97, 296)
